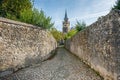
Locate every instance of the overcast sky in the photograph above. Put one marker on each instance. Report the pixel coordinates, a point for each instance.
(81, 10)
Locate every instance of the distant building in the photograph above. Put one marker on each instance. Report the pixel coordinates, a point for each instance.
(66, 24)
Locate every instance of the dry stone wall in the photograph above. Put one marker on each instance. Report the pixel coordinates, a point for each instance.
(99, 45)
(23, 45)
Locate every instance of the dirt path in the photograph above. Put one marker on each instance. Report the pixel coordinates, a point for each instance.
(64, 66)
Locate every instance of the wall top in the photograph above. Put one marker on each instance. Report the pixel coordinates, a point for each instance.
(8, 21)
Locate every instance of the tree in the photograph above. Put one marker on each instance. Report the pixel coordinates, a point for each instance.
(40, 19)
(57, 34)
(13, 8)
(117, 5)
(26, 16)
(37, 18)
(80, 26)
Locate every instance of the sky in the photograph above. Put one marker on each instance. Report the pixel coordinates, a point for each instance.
(77, 10)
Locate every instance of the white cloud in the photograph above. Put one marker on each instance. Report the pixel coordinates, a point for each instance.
(88, 16)
(103, 5)
(91, 12)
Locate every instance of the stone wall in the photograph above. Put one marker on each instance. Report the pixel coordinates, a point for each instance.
(23, 44)
(99, 46)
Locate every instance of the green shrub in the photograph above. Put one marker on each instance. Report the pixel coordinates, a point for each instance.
(70, 33)
(80, 26)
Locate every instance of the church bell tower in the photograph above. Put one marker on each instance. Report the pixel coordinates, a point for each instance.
(66, 24)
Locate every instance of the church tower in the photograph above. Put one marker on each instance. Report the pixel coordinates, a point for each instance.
(66, 24)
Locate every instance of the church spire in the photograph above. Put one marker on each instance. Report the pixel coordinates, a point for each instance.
(66, 18)
(66, 24)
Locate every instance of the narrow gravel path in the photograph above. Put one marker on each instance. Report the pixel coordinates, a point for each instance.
(64, 66)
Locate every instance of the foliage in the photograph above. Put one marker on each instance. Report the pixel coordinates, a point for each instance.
(117, 6)
(9, 8)
(70, 33)
(57, 34)
(37, 18)
(26, 15)
(80, 26)
(22, 10)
